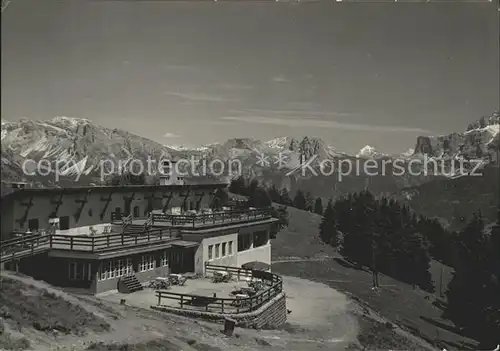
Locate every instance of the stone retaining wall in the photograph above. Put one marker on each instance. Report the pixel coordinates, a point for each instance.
(271, 315)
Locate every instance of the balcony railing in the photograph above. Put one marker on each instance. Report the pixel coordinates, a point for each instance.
(29, 245)
(212, 219)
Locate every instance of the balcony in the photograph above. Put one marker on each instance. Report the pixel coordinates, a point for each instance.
(203, 220)
(33, 244)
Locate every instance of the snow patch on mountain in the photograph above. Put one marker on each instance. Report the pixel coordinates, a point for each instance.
(480, 141)
(369, 152)
(188, 148)
(74, 146)
(407, 154)
(277, 143)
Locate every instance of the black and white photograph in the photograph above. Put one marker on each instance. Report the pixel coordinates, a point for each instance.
(258, 175)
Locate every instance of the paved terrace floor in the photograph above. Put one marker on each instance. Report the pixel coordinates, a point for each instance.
(202, 287)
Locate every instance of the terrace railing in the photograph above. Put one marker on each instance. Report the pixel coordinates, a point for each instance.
(29, 245)
(126, 221)
(149, 222)
(227, 305)
(216, 218)
(22, 247)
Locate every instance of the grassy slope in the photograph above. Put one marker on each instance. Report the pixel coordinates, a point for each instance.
(72, 322)
(396, 301)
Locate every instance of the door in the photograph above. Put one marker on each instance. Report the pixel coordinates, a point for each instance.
(136, 212)
(64, 223)
(181, 260)
(128, 204)
(118, 213)
(176, 261)
(33, 224)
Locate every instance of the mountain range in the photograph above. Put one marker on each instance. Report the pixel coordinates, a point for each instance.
(78, 147)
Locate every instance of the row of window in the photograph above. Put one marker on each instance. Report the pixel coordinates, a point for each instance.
(122, 267)
(221, 250)
(115, 269)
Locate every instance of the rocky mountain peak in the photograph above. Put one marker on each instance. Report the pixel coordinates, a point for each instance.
(478, 142)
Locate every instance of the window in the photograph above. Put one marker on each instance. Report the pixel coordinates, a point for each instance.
(224, 249)
(103, 272)
(33, 224)
(72, 270)
(120, 268)
(115, 269)
(244, 242)
(260, 238)
(210, 249)
(147, 263)
(111, 269)
(230, 248)
(64, 223)
(217, 250)
(80, 271)
(130, 268)
(164, 259)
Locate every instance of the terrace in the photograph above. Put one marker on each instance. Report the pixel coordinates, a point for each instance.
(204, 296)
(196, 219)
(29, 245)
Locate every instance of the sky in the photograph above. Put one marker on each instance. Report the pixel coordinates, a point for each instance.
(191, 73)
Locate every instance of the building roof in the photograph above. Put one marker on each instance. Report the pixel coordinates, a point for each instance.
(16, 193)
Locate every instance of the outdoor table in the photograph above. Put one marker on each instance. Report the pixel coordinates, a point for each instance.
(241, 296)
(189, 275)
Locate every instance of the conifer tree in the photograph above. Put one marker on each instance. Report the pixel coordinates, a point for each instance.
(281, 213)
(221, 198)
(299, 201)
(274, 194)
(252, 187)
(238, 185)
(327, 228)
(285, 197)
(318, 206)
(309, 202)
(259, 198)
(473, 292)
(383, 235)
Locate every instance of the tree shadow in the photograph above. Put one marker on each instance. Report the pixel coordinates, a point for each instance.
(461, 346)
(441, 325)
(438, 303)
(347, 264)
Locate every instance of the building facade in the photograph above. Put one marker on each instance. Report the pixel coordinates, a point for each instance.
(174, 230)
(31, 209)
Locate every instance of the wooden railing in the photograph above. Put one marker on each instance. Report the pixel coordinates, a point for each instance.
(28, 245)
(18, 248)
(149, 222)
(126, 221)
(227, 305)
(216, 218)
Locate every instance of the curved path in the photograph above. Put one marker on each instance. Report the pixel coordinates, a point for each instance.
(320, 318)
